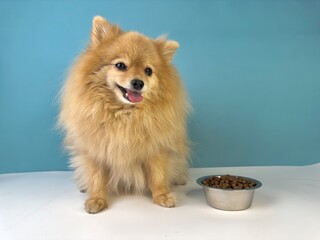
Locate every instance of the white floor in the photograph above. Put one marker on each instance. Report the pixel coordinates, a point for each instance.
(47, 206)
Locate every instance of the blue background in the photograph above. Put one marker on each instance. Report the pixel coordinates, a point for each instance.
(251, 68)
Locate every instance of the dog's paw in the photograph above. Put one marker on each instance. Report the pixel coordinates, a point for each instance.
(95, 205)
(165, 200)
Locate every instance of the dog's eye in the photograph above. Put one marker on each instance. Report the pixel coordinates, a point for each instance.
(148, 71)
(121, 66)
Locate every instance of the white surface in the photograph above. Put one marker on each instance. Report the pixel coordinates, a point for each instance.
(48, 206)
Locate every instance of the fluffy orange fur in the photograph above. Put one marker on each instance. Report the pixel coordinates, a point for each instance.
(118, 145)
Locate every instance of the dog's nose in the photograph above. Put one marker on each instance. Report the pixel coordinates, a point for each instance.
(137, 84)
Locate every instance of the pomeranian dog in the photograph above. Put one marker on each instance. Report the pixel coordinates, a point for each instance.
(123, 110)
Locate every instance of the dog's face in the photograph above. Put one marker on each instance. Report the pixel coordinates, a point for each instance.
(133, 71)
(132, 63)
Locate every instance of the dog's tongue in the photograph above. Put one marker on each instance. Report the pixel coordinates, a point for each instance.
(134, 96)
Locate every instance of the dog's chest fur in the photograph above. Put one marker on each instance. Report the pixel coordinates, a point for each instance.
(129, 140)
(130, 136)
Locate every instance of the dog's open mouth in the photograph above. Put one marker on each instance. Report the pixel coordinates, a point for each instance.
(131, 96)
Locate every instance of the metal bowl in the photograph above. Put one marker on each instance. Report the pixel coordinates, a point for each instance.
(229, 199)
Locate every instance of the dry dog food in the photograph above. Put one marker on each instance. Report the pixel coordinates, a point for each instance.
(228, 182)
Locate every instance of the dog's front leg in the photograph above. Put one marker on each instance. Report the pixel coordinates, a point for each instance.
(97, 180)
(158, 181)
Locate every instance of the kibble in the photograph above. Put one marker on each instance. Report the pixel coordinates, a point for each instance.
(229, 182)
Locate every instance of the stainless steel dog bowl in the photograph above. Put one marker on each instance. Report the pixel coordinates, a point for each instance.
(229, 199)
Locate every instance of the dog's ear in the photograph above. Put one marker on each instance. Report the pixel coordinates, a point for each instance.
(102, 29)
(167, 47)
